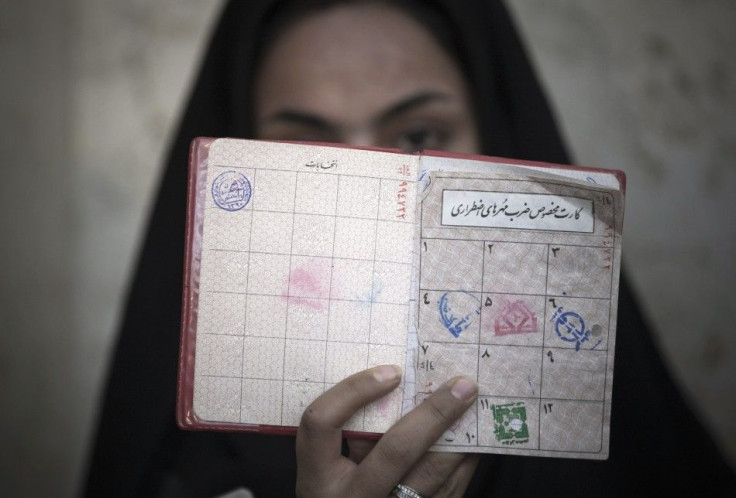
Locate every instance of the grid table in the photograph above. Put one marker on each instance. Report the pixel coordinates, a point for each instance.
(530, 315)
(305, 285)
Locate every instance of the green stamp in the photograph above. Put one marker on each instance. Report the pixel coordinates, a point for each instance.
(509, 422)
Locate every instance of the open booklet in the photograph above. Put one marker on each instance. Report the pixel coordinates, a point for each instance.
(306, 263)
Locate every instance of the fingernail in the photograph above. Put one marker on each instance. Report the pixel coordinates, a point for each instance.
(386, 373)
(463, 389)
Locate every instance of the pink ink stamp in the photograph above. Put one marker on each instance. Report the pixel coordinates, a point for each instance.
(309, 286)
(304, 282)
(515, 318)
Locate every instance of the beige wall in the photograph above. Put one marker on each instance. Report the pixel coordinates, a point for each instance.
(91, 90)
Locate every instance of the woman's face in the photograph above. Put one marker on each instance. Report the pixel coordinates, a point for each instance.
(367, 75)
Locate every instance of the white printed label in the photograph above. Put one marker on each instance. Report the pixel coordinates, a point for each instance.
(513, 210)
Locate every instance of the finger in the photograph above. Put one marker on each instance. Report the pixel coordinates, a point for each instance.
(319, 437)
(431, 471)
(359, 448)
(407, 441)
(442, 475)
(458, 482)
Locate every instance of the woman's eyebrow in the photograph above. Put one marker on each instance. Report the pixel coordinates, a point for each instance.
(316, 121)
(410, 103)
(302, 118)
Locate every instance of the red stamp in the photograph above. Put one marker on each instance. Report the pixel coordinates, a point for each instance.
(308, 286)
(515, 318)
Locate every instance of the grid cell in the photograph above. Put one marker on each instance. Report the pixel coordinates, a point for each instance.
(316, 193)
(304, 361)
(268, 274)
(274, 190)
(313, 235)
(442, 268)
(271, 232)
(580, 271)
(263, 358)
(261, 402)
(344, 359)
(515, 268)
(297, 397)
(221, 313)
(357, 197)
(349, 321)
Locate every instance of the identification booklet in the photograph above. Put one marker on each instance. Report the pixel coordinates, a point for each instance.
(306, 263)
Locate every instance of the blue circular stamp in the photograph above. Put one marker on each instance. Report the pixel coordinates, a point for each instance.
(231, 191)
(458, 311)
(570, 327)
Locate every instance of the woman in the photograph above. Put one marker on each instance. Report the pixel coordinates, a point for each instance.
(438, 75)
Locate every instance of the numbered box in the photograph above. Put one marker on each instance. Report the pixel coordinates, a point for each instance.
(575, 375)
(439, 362)
(571, 426)
(512, 319)
(511, 423)
(515, 268)
(462, 432)
(509, 370)
(449, 316)
(577, 323)
(580, 271)
(455, 265)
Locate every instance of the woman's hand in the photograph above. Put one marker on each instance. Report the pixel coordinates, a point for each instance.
(400, 456)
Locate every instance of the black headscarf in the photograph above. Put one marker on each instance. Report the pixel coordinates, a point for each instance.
(657, 445)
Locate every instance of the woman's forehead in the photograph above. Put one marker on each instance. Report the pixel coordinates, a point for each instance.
(351, 61)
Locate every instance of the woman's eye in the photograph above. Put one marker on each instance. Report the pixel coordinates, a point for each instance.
(421, 138)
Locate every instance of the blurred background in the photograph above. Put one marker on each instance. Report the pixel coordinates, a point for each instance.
(91, 92)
